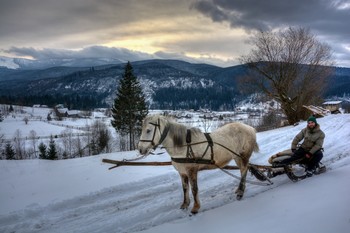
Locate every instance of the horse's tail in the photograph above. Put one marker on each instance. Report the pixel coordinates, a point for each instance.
(256, 147)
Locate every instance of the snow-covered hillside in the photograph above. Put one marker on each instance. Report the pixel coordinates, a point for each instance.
(82, 195)
(23, 63)
(8, 63)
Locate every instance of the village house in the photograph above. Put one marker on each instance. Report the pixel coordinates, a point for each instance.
(332, 106)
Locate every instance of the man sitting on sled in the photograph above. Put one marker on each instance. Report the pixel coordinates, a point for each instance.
(310, 149)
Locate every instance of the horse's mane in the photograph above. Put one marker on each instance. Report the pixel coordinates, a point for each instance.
(177, 131)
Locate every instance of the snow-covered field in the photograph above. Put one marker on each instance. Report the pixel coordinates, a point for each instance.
(82, 195)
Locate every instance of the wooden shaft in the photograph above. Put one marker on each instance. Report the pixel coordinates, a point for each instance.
(131, 163)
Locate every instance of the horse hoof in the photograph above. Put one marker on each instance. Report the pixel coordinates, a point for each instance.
(239, 197)
(194, 211)
(184, 206)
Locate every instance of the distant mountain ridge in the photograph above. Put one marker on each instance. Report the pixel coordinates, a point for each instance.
(23, 63)
(168, 84)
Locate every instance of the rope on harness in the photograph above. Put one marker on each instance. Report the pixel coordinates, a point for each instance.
(247, 181)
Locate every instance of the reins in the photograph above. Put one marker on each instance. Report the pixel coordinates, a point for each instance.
(247, 181)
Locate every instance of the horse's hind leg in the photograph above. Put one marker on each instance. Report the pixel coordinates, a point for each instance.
(243, 166)
(185, 188)
(192, 174)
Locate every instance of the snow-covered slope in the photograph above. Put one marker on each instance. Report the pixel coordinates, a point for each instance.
(8, 63)
(23, 63)
(82, 195)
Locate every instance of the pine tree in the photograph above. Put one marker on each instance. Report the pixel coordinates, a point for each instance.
(1, 116)
(9, 152)
(129, 107)
(52, 152)
(42, 151)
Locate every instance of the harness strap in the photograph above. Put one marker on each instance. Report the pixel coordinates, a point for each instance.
(190, 157)
(164, 133)
(188, 136)
(229, 150)
(210, 144)
(210, 141)
(189, 153)
(193, 160)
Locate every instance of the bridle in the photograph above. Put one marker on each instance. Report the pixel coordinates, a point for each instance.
(162, 137)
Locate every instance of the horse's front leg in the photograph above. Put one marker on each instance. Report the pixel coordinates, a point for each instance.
(192, 174)
(185, 188)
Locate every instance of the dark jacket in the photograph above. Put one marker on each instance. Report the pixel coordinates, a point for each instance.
(313, 139)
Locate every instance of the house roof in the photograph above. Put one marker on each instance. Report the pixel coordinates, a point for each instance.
(332, 102)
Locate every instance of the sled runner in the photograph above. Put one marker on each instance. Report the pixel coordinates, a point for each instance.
(295, 170)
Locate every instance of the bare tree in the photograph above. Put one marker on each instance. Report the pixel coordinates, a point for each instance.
(207, 122)
(78, 146)
(123, 142)
(291, 66)
(101, 137)
(67, 141)
(88, 138)
(2, 142)
(26, 120)
(34, 138)
(19, 144)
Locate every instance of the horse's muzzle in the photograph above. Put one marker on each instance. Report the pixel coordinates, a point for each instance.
(143, 150)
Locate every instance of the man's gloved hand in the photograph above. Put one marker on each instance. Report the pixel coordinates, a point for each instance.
(293, 150)
(308, 155)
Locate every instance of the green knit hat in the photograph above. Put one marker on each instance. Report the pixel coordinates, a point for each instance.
(313, 119)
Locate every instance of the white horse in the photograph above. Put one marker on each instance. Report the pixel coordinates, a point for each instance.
(192, 151)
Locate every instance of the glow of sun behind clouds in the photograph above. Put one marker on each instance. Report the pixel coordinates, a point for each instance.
(195, 37)
(145, 36)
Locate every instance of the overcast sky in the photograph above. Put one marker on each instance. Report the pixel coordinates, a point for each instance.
(211, 31)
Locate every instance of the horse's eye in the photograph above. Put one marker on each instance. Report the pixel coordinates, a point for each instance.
(148, 131)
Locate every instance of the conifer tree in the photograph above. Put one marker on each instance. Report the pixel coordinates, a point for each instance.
(1, 116)
(9, 152)
(52, 152)
(129, 107)
(42, 151)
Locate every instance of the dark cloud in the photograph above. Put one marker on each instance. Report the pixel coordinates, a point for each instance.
(177, 27)
(322, 15)
(328, 20)
(51, 18)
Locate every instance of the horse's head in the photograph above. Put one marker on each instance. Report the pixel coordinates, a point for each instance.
(154, 131)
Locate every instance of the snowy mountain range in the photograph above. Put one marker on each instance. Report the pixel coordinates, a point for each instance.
(168, 84)
(23, 63)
